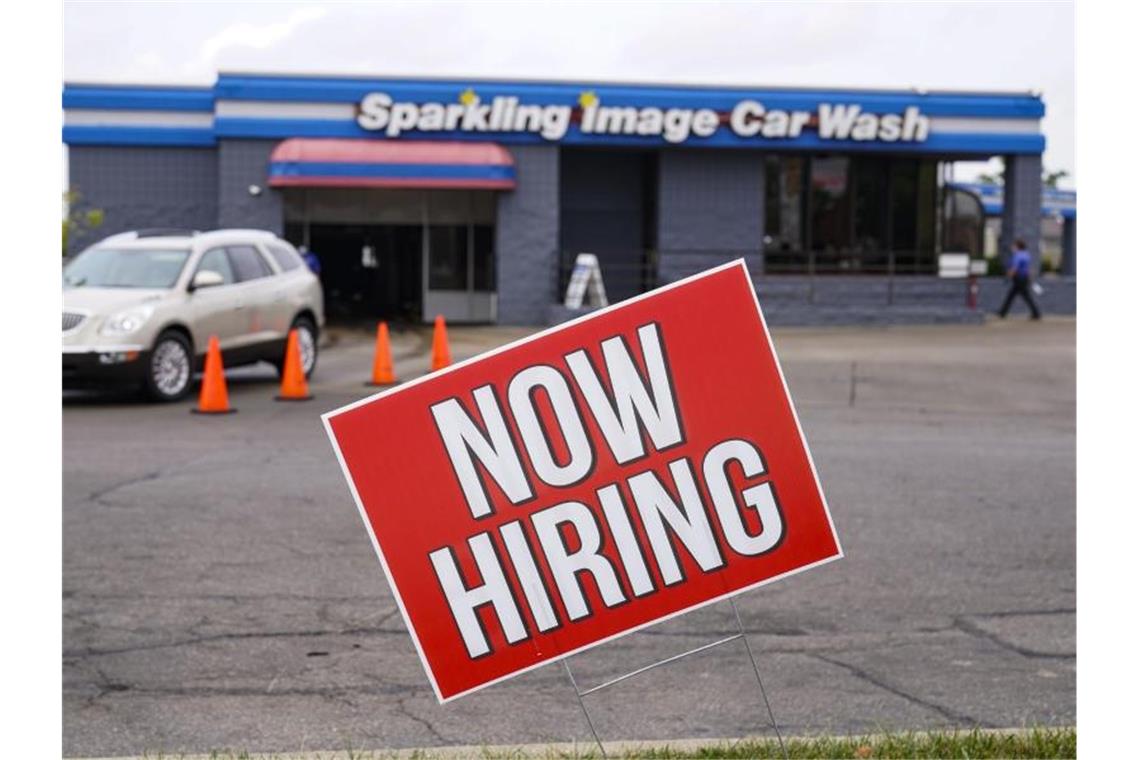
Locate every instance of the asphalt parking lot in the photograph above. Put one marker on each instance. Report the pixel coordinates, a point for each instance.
(220, 591)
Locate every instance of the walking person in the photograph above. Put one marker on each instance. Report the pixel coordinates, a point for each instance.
(1019, 280)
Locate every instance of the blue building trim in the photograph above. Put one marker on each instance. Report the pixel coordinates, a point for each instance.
(402, 171)
(131, 98)
(951, 143)
(108, 135)
(1053, 201)
(293, 89)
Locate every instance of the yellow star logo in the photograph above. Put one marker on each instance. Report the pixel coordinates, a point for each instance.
(468, 97)
(588, 99)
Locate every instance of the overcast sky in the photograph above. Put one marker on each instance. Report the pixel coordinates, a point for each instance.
(1004, 46)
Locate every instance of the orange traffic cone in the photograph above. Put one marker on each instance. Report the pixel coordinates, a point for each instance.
(382, 373)
(213, 398)
(294, 387)
(440, 353)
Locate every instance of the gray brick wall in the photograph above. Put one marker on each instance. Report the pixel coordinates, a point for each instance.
(242, 163)
(1060, 296)
(140, 187)
(1021, 212)
(839, 299)
(710, 210)
(797, 300)
(526, 237)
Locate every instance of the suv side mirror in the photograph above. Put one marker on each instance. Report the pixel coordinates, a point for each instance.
(206, 278)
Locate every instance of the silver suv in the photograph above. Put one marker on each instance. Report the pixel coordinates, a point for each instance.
(139, 307)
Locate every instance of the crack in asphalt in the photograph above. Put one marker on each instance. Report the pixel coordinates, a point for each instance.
(945, 712)
(97, 496)
(788, 632)
(79, 654)
(403, 710)
(1024, 613)
(339, 694)
(967, 626)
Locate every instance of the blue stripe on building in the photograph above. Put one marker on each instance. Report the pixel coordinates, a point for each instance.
(116, 98)
(956, 143)
(979, 144)
(1053, 200)
(114, 135)
(351, 91)
(403, 171)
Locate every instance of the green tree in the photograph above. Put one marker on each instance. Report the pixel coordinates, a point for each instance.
(1048, 178)
(77, 219)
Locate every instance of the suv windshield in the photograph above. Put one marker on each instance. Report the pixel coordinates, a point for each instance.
(125, 268)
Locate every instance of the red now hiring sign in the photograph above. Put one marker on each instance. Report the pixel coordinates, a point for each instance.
(586, 482)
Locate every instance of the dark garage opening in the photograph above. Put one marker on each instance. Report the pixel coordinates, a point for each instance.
(368, 271)
(609, 208)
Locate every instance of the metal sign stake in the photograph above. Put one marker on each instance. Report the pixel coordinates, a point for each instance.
(760, 681)
(582, 704)
(737, 636)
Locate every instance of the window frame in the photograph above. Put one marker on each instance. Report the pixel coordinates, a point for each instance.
(226, 255)
(289, 250)
(269, 270)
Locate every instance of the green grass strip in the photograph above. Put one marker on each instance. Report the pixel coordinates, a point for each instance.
(1035, 743)
(1043, 743)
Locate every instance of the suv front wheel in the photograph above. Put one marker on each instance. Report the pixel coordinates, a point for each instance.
(307, 336)
(170, 371)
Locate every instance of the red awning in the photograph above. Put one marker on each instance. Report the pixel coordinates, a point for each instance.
(305, 162)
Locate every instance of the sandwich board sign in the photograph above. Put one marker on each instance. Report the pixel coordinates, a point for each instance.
(585, 281)
(586, 482)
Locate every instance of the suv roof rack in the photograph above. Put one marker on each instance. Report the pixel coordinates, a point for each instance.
(165, 232)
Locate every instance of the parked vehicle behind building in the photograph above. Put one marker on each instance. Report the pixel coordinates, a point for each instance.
(139, 307)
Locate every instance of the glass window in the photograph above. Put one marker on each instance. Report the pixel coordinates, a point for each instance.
(783, 202)
(128, 268)
(927, 207)
(904, 208)
(447, 261)
(484, 257)
(870, 182)
(783, 214)
(964, 220)
(286, 258)
(914, 192)
(830, 204)
(247, 262)
(215, 260)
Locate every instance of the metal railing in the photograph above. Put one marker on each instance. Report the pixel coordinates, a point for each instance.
(878, 263)
(790, 275)
(625, 273)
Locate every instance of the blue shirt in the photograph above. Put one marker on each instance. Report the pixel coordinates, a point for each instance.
(1020, 263)
(313, 262)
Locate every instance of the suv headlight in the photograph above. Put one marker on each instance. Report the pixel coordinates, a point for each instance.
(127, 321)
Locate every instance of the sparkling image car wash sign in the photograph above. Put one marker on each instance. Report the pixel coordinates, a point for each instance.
(586, 482)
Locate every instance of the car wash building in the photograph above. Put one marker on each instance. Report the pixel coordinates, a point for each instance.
(472, 198)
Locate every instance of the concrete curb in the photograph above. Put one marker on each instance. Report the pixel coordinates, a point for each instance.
(540, 751)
